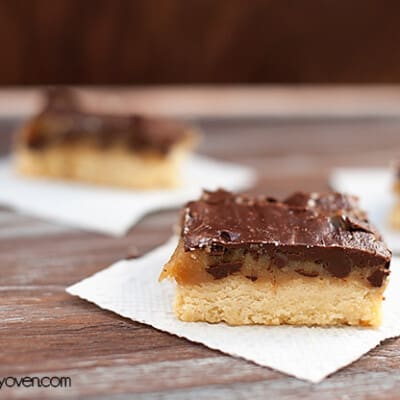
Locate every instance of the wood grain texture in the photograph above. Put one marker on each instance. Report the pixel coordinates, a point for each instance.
(207, 101)
(198, 41)
(44, 331)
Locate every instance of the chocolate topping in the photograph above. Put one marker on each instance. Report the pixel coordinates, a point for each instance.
(326, 203)
(328, 229)
(63, 120)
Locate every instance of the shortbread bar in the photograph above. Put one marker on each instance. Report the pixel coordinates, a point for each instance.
(312, 259)
(65, 141)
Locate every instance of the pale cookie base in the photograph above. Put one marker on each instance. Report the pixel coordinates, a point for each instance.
(113, 167)
(237, 300)
(394, 218)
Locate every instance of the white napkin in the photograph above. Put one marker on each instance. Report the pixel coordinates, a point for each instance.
(374, 186)
(130, 288)
(109, 210)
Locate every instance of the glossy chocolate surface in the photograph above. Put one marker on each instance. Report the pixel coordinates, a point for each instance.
(63, 120)
(328, 229)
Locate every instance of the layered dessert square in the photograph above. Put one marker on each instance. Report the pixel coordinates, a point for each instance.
(312, 259)
(65, 141)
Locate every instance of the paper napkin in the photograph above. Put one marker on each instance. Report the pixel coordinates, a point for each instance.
(131, 289)
(374, 186)
(109, 210)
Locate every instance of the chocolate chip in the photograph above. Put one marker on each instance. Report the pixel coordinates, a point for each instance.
(338, 264)
(222, 270)
(311, 274)
(377, 277)
(280, 259)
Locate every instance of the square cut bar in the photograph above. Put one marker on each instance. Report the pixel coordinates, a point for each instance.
(65, 141)
(312, 259)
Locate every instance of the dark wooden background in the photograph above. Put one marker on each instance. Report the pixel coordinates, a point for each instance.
(198, 41)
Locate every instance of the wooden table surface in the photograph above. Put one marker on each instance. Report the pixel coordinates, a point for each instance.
(46, 332)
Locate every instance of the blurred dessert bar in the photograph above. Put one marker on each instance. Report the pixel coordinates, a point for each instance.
(395, 213)
(312, 259)
(65, 141)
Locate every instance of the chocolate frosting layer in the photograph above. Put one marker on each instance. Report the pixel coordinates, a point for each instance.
(63, 120)
(327, 228)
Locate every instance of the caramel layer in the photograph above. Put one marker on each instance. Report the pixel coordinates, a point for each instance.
(199, 266)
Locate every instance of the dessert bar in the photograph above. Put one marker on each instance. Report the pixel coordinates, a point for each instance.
(312, 259)
(66, 141)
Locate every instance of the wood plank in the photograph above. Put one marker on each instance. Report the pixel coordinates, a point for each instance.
(155, 42)
(44, 331)
(272, 101)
